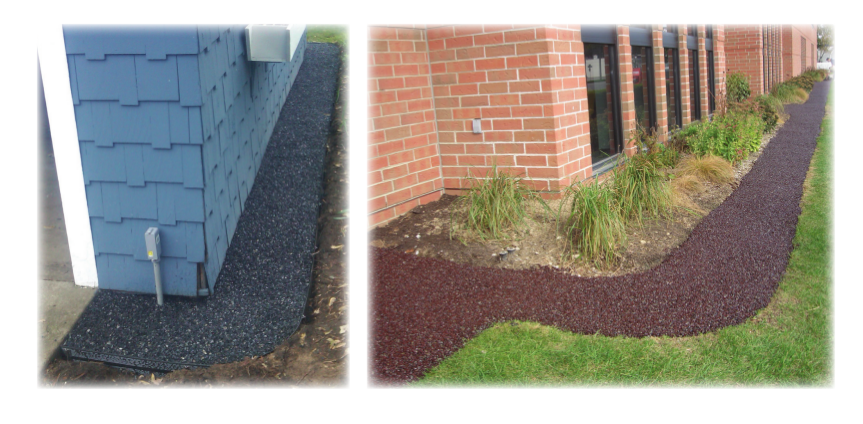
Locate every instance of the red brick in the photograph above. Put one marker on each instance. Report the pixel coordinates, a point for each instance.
(379, 33)
(474, 101)
(521, 86)
(463, 90)
(507, 75)
(504, 50)
(507, 124)
(520, 35)
(504, 99)
(522, 61)
(482, 39)
(380, 71)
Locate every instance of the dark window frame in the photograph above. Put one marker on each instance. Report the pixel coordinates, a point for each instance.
(711, 84)
(603, 164)
(678, 99)
(694, 96)
(650, 80)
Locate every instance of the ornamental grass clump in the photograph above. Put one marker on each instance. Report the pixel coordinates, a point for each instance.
(593, 226)
(493, 206)
(789, 93)
(705, 168)
(641, 188)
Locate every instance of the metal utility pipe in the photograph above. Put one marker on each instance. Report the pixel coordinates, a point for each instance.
(158, 271)
(154, 252)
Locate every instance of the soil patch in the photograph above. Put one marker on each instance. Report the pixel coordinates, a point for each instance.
(316, 354)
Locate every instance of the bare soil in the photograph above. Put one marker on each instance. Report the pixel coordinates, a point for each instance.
(425, 231)
(316, 354)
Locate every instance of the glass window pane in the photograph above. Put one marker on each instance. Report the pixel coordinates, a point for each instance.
(711, 84)
(642, 82)
(671, 81)
(694, 87)
(601, 98)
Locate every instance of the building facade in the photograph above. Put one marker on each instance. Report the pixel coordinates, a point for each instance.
(553, 103)
(171, 124)
(770, 54)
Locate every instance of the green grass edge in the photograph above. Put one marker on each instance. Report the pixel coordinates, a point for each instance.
(788, 343)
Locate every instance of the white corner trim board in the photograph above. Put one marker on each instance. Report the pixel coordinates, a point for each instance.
(67, 155)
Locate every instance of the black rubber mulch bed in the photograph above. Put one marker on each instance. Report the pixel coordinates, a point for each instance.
(261, 291)
(424, 309)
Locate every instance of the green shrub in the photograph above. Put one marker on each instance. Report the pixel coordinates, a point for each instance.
(647, 142)
(593, 226)
(737, 87)
(731, 136)
(767, 108)
(788, 93)
(494, 205)
(804, 81)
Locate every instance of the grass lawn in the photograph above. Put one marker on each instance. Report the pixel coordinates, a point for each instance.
(787, 343)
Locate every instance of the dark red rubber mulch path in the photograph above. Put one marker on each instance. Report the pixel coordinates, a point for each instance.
(424, 309)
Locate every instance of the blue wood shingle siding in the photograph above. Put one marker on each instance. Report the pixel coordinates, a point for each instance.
(172, 125)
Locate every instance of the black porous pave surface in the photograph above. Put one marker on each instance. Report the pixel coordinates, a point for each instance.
(424, 309)
(263, 285)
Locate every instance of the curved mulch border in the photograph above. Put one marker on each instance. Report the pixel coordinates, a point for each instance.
(424, 309)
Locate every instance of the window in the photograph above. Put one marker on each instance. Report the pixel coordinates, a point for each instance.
(694, 87)
(672, 88)
(711, 85)
(708, 31)
(642, 84)
(603, 100)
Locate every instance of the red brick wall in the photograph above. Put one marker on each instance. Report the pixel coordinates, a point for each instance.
(527, 85)
(523, 83)
(791, 37)
(744, 53)
(403, 158)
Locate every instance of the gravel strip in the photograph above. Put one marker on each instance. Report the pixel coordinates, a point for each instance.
(263, 285)
(424, 309)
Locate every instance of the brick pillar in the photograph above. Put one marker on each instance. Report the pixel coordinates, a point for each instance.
(703, 76)
(659, 87)
(719, 64)
(403, 158)
(683, 55)
(627, 94)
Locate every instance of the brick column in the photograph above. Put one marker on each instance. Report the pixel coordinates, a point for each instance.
(403, 158)
(703, 77)
(659, 87)
(627, 94)
(683, 55)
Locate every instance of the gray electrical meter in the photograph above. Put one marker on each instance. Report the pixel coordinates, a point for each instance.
(154, 245)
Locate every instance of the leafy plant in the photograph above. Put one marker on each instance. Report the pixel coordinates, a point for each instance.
(737, 87)
(731, 136)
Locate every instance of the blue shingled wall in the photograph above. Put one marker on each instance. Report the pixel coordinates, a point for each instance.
(242, 102)
(172, 124)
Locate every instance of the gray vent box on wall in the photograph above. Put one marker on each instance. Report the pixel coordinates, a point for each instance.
(272, 43)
